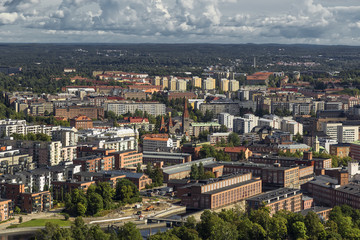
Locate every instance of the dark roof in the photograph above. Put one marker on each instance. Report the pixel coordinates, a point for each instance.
(274, 195)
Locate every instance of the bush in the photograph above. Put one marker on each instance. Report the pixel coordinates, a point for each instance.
(20, 219)
(66, 216)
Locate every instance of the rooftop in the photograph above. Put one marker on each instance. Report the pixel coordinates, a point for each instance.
(187, 166)
(275, 195)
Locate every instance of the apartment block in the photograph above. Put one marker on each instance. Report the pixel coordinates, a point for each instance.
(218, 137)
(227, 120)
(95, 163)
(35, 202)
(340, 150)
(196, 82)
(224, 85)
(60, 188)
(151, 144)
(348, 134)
(81, 122)
(234, 86)
(6, 209)
(123, 108)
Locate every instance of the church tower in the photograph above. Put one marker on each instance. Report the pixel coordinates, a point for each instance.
(185, 120)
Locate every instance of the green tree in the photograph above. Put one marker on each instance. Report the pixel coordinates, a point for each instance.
(201, 171)
(194, 172)
(126, 191)
(95, 233)
(129, 232)
(106, 192)
(95, 203)
(234, 139)
(53, 231)
(314, 226)
(157, 176)
(299, 230)
(258, 232)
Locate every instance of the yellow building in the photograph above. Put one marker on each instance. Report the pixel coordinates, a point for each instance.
(224, 85)
(173, 84)
(209, 84)
(165, 83)
(181, 85)
(157, 81)
(196, 82)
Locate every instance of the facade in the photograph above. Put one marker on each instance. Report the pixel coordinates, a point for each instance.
(35, 202)
(227, 120)
(196, 82)
(235, 151)
(158, 144)
(67, 136)
(340, 150)
(123, 108)
(355, 150)
(231, 108)
(196, 128)
(234, 86)
(166, 158)
(6, 209)
(81, 122)
(219, 192)
(96, 163)
(218, 137)
(60, 188)
(224, 85)
(9, 127)
(43, 153)
(92, 112)
(12, 161)
(348, 134)
(280, 199)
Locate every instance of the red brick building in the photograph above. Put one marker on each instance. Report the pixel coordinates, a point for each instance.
(218, 192)
(70, 112)
(340, 150)
(123, 159)
(81, 122)
(280, 199)
(235, 151)
(96, 163)
(60, 188)
(35, 202)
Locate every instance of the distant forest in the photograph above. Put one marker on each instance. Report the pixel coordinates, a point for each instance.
(47, 61)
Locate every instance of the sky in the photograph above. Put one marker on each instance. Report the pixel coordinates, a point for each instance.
(328, 22)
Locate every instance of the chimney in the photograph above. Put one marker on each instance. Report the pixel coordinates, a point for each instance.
(307, 155)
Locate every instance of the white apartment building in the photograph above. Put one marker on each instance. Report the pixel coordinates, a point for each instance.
(292, 127)
(158, 144)
(234, 86)
(348, 134)
(67, 136)
(9, 127)
(227, 120)
(125, 107)
(331, 129)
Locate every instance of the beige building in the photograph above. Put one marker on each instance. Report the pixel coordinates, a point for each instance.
(173, 83)
(224, 86)
(196, 82)
(157, 81)
(234, 86)
(181, 85)
(209, 84)
(165, 83)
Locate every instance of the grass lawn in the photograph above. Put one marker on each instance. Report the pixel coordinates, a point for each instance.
(42, 222)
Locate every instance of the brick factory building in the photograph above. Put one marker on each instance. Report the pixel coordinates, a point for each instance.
(281, 199)
(219, 192)
(95, 163)
(70, 112)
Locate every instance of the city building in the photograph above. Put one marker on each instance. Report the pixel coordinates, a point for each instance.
(69, 112)
(280, 199)
(224, 85)
(183, 170)
(218, 192)
(218, 138)
(340, 150)
(81, 122)
(125, 107)
(234, 86)
(166, 158)
(227, 120)
(95, 163)
(197, 127)
(151, 144)
(6, 209)
(347, 134)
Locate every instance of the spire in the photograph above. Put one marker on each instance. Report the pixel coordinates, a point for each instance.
(186, 112)
(162, 126)
(170, 122)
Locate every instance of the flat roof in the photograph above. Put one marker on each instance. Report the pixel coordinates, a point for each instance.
(352, 188)
(267, 196)
(187, 166)
(231, 186)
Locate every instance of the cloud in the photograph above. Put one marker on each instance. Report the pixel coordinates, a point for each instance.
(189, 20)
